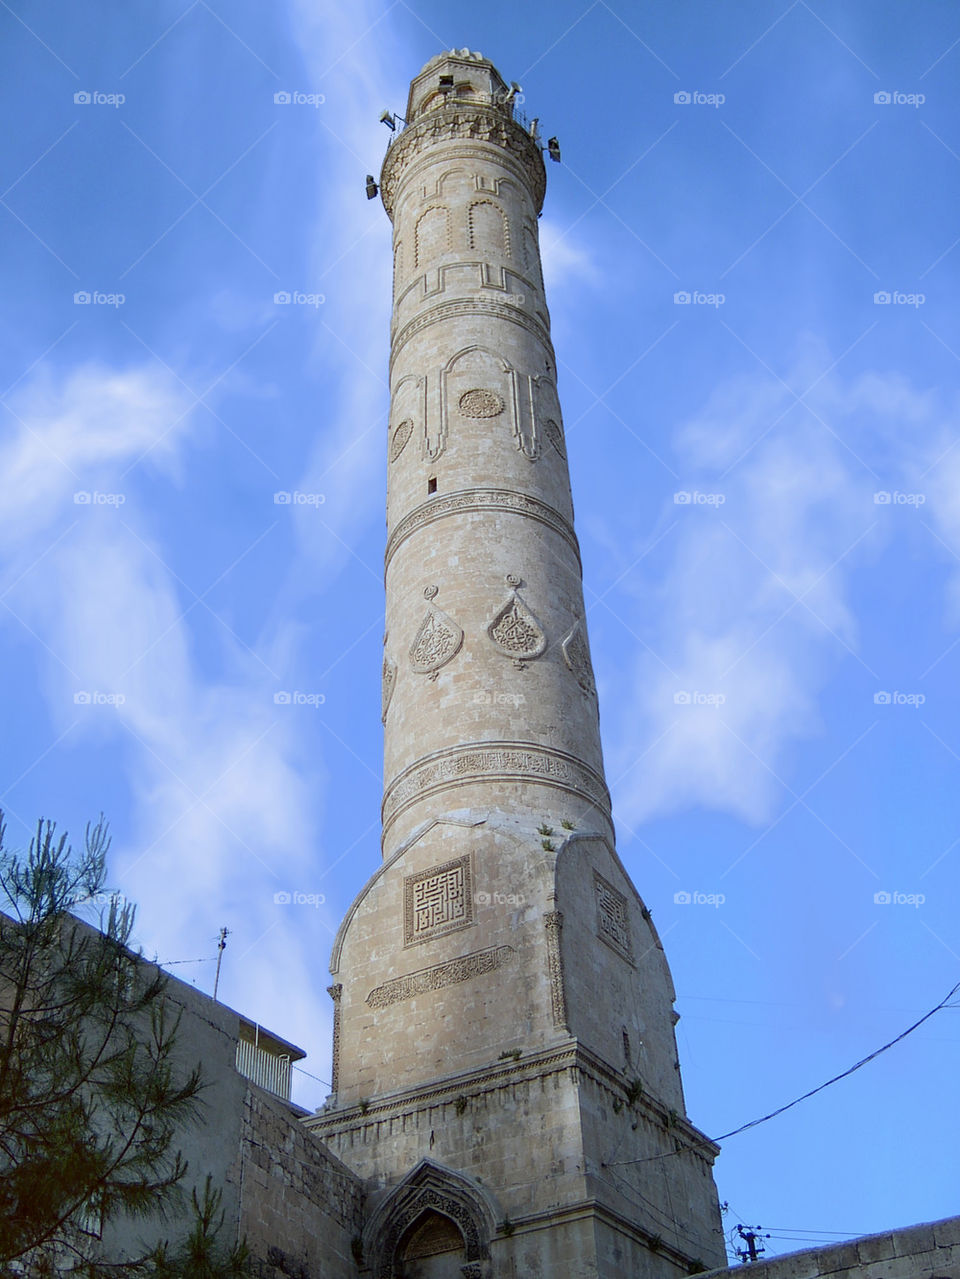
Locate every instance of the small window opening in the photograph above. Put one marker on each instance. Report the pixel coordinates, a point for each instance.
(446, 83)
(431, 485)
(626, 1045)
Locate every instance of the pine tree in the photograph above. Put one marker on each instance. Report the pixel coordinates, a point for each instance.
(92, 1091)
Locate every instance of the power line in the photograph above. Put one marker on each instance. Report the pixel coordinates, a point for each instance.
(734, 1132)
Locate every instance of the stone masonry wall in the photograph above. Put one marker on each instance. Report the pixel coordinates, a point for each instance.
(912, 1253)
(301, 1209)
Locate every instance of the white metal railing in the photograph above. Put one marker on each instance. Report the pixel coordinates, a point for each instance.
(268, 1070)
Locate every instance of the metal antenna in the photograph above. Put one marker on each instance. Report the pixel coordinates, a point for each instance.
(221, 946)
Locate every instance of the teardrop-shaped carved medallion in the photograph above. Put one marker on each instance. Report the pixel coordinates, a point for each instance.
(515, 630)
(399, 439)
(437, 641)
(553, 433)
(576, 654)
(388, 684)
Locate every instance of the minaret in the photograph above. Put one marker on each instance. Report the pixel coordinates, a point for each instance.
(505, 1068)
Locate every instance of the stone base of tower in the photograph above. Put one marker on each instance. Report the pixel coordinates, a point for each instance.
(523, 1170)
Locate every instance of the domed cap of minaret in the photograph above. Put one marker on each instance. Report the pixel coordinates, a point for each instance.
(455, 78)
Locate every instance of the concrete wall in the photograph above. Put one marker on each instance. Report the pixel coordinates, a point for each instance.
(912, 1253)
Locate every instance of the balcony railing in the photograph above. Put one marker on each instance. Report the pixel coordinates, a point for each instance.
(267, 1069)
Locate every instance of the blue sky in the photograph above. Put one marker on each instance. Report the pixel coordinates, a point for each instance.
(744, 639)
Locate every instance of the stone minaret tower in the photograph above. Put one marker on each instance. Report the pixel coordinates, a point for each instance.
(505, 1070)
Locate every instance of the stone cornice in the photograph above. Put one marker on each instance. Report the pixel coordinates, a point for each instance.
(485, 761)
(567, 1056)
(464, 123)
(467, 501)
(458, 307)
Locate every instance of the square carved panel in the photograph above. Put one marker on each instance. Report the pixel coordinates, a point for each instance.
(437, 901)
(613, 922)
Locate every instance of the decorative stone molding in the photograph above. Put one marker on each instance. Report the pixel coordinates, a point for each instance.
(388, 684)
(478, 500)
(464, 123)
(335, 992)
(438, 640)
(553, 922)
(437, 901)
(515, 631)
(445, 311)
(496, 762)
(438, 976)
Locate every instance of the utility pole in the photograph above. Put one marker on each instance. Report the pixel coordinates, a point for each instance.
(221, 946)
(754, 1249)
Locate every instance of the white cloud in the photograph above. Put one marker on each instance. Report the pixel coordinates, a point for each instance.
(754, 604)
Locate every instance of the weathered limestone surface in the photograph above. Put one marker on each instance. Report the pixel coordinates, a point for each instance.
(504, 1057)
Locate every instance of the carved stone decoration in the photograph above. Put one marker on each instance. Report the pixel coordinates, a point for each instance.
(481, 403)
(430, 1188)
(470, 500)
(553, 433)
(514, 630)
(576, 655)
(335, 992)
(440, 975)
(399, 439)
(437, 642)
(613, 922)
(553, 922)
(388, 684)
(492, 761)
(437, 901)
